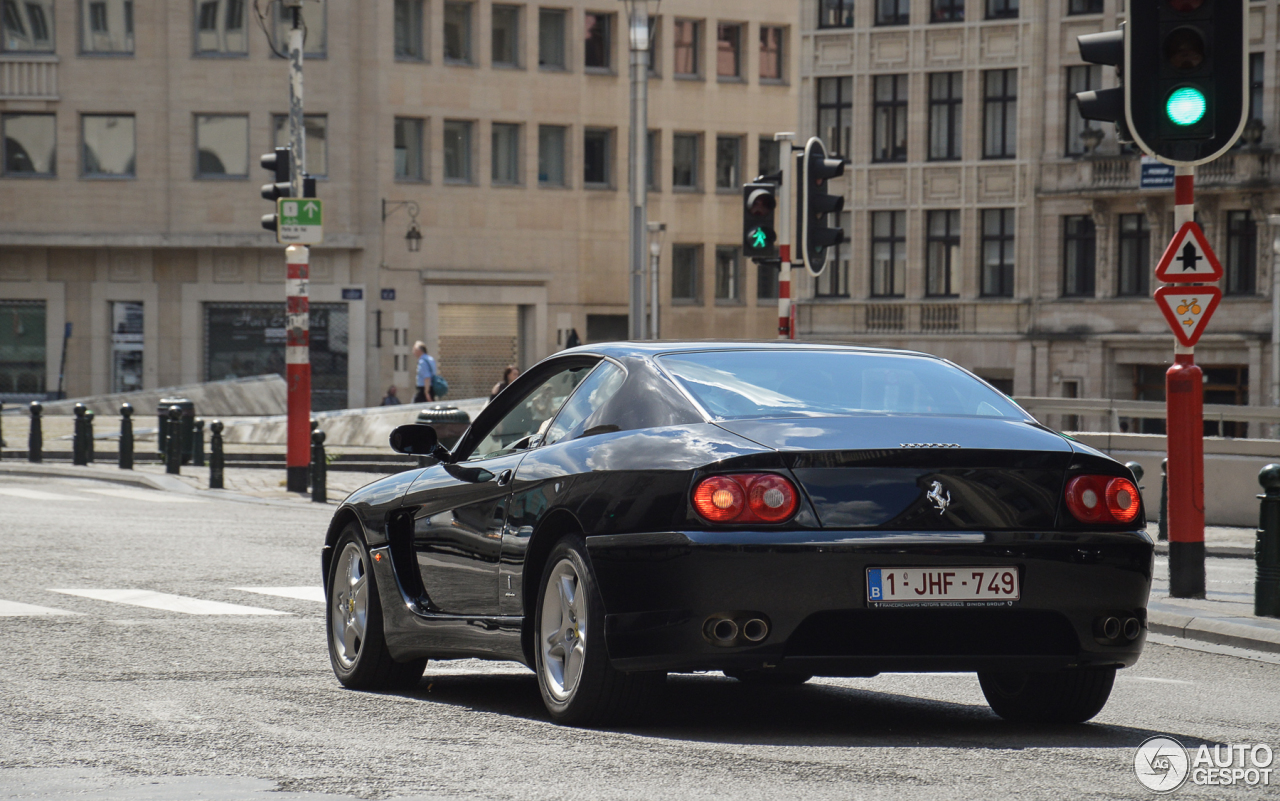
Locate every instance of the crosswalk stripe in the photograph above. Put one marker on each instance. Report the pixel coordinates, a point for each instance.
(38, 495)
(298, 593)
(169, 603)
(15, 609)
(150, 496)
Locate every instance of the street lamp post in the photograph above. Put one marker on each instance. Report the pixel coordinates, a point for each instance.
(657, 230)
(638, 12)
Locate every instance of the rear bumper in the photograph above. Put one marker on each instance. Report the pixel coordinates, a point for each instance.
(660, 589)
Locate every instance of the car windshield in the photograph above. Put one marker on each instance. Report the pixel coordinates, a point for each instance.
(737, 384)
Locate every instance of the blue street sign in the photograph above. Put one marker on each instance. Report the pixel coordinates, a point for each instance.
(353, 294)
(1155, 175)
(388, 294)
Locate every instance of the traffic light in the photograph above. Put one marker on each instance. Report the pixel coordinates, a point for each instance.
(815, 204)
(278, 163)
(1187, 73)
(1105, 105)
(759, 236)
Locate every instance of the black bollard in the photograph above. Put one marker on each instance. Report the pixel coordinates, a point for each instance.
(126, 436)
(1163, 536)
(35, 439)
(88, 436)
(197, 444)
(1266, 554)
(318, 467)
(1, 429)
(173, 444)
(77, 437)
(215, 455)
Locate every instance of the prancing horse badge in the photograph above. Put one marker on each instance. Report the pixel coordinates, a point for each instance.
(939, 496)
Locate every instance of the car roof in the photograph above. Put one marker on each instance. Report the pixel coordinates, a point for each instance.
(660, 347)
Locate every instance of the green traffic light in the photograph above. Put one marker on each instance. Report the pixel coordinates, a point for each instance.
(1186, 106)
(759, 238)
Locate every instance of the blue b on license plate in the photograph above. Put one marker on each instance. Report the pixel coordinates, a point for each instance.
(943, 586)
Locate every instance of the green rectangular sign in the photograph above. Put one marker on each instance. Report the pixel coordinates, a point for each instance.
(300, 221)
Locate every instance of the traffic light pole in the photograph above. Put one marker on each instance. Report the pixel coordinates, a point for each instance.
(788, 162)
(297, 303)
(1184, 408)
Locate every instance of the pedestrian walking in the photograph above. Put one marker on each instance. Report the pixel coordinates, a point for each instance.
(426, 373)
(572, 341)
(508, 375)
(392, 399)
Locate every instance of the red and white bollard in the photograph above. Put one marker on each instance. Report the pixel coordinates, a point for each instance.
(297, 361)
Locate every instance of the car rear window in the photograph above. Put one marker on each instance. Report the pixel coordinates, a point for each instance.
(737, 384)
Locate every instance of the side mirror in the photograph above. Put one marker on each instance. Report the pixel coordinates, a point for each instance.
(419, 440)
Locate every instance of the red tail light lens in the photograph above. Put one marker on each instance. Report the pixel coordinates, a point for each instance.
(1102, 499)
(745, 498)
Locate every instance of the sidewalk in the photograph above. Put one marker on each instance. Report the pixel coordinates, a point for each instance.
(1218, 541)
(1223, 618)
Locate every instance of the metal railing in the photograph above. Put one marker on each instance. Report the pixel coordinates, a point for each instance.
(28, 77)
(890, 316)
(1110, 411)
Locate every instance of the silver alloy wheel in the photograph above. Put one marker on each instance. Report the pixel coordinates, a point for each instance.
(350, 597)
(564, 630)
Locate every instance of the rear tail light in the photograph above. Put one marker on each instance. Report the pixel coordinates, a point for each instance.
(745, 498)
(1102, 499)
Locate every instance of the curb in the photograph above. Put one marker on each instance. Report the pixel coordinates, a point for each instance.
(1227, 551)
(1255, 634)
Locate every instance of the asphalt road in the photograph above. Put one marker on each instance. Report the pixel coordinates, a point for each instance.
(105, 698)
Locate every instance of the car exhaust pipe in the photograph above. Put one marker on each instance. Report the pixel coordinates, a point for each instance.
(755, 630)
(1132, 628)
(723, 630)
(1111, 628)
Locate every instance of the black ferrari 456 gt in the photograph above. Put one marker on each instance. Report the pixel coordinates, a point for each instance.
(774, 511)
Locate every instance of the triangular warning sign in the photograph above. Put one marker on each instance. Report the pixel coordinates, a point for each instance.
(1188, 309)
(1188, 259)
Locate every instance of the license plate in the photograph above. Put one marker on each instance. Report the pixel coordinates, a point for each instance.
(943, 586)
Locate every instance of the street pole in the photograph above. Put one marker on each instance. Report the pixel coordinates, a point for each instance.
(656, 232)
(297, 276)
(788, 162)
(1274, 220)
(638, 14)
(1184, 405)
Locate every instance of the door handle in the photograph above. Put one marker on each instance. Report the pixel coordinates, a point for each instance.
(504, 478)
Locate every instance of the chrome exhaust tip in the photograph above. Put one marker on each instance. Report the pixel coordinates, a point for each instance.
(1111, 628)
(755, 630)
(1132, 628)
(723, 630)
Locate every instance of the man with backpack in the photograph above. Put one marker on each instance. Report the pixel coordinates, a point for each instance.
(427, 373)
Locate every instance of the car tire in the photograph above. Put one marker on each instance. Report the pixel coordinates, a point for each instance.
(768, 678)
(578, 684)
(1067, 696)
(353, 620)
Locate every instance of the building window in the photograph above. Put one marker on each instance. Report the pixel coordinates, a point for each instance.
(893, 12)
(1079, 256)
(313, 41)
(1135, 255)
(126, 345)
(947, 11)
(1084, 6)
(1228, 385)
(457, 32)
(728, 275)
(551, 145)
(220, 27)
(688, 49)
(768, 162)
(29, 142)
(728, 50)
(835, 113)
(684, 160)
(942, 252)
(1002, 9)
(457, 151)
(222, 146)
(1242, 254)
(551, 39)
(946, 93)
(316, 132)
(997, 253)
(1079, 79)
(888, 253)
(26, 27)
(835, 13)
(889, 117)
(834, 281)
(655, 54)
(109, 149)
(1000, 113)
(653, 147)
(686, 267)
(597, 152)
(106, 26)
(771, 38)
(728, 162)
(505, 155)
(1256, 62)
(767, 274)
(408, 30)
(506, 36)
(598, 51)
(23, 348)
(409, 152)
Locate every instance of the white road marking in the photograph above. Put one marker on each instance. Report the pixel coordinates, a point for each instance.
(299, 593)
(15, 609)
(39, 495)
(151, 496)
(1121, 675)
(169, 603)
